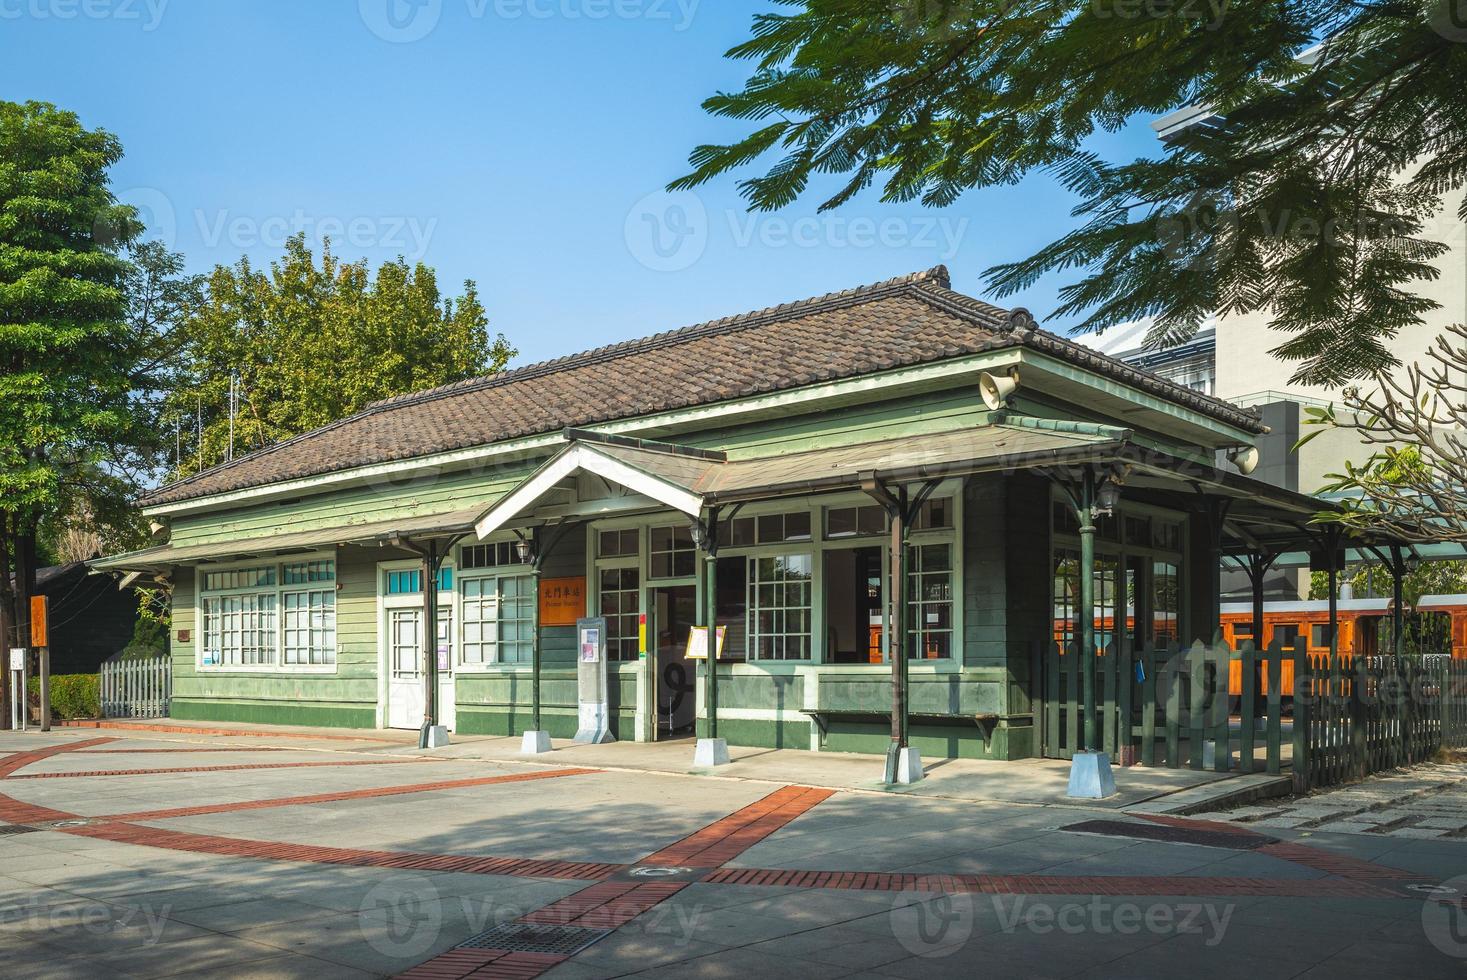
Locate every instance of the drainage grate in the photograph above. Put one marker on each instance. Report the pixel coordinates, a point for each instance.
(529, 937)
(1172, 835)
(11, 829)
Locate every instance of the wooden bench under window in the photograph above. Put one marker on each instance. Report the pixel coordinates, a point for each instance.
(824, 716)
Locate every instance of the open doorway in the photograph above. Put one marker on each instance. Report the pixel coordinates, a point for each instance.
(853, 610)
(674, 612)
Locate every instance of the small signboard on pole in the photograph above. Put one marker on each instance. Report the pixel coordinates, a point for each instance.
(38, 621)
(698, 642)
(17, 687)
(39, 640)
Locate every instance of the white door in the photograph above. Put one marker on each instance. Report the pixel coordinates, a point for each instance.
(405, 664)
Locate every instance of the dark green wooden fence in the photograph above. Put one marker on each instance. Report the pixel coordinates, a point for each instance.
(1328, 720)
(1368, 714)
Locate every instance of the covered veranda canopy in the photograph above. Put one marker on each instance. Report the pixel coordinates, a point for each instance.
(1246, 516)
(1254, 522)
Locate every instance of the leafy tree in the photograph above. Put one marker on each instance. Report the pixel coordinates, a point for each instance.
(1374, 580)
(97, 514)
(1304, 195)
(64, 342)
(1413, 485)
(312, 343)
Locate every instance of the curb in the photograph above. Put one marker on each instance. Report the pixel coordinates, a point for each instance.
(1223, 795)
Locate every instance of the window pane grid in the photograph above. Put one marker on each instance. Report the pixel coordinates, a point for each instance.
(410, 581)
(671, 552)
(620, 543)
(619, 601)
(309, 572)
(780, 607)
(239, 630)
(498, 614)
(930, 602)
(310, 627)
(239, 578)
(496, 555)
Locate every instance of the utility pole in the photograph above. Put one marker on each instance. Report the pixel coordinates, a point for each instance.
(233, 407)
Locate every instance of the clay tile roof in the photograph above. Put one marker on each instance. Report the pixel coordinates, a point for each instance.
(911, 320)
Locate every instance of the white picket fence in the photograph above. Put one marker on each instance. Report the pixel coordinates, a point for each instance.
(137, 688)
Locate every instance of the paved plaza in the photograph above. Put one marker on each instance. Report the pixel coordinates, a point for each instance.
(167, 853)
(1428, 802)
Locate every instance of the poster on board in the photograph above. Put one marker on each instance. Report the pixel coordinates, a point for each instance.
(698, 642)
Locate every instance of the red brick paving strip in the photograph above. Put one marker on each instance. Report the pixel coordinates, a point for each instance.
(473, 964)
(724, 840)
(354, 794)
(176, 840)
(958, 884)
(16, 811)
(609, 905)
(134, 726)
(20, 760)
(613, 904)
(1339, 865)
(257, 765)
(232, 748)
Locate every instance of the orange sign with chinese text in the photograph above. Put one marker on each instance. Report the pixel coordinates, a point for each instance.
(38, 621)
(562, 601)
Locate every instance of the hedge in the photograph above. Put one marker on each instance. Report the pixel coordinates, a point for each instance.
(72, 696)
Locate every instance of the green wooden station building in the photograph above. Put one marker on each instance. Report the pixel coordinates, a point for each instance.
(787, 471)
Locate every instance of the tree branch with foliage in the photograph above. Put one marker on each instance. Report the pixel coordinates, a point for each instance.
(312, 343)
(1301, 194)
(1414, 482)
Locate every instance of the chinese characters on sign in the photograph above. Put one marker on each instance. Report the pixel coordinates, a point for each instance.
(562, 601)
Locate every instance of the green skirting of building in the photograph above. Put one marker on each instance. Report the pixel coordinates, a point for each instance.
(275, 713)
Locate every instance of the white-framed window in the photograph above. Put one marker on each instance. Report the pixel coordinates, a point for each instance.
(239, 630)
(930, 600)
(800, 582)
(258, 617)
(780, 594)
(495, 554)
(671, 552)
(619, 599)
(498, 619)
(310, 626)
(854, 520)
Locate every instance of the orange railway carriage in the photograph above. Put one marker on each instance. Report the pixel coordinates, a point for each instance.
(1365, 627)
(1360, 630)
(1452, 608)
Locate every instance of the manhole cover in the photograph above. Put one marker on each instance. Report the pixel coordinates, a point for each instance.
(529, 937)
(1432, 889)
(1172, 835)
(11, 829)
(659, 872)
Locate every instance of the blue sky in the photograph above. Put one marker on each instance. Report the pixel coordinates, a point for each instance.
(523, 144)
